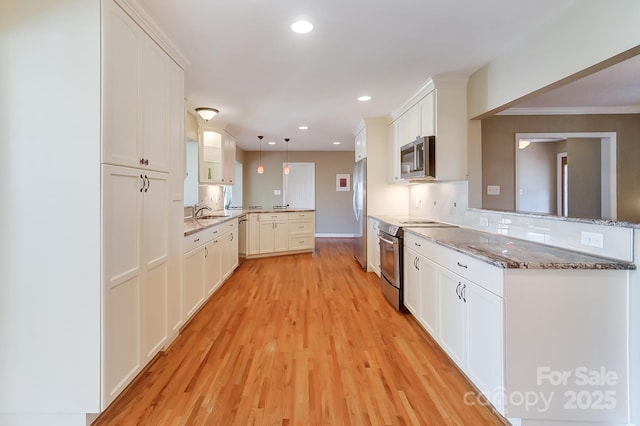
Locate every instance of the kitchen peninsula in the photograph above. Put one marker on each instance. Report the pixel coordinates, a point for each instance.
(511, 312)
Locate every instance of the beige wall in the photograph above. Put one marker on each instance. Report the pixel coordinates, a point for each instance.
(583, 156)
(498, 154)
(334, 211)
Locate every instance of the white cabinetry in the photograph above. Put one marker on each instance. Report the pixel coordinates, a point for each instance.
(464, 317)
(211, 255)
(217, 156)
(135, 272)
(279, 233)
(373, 246)
(302, 229)
(438, 109)
(420, 288)
(136, 72)
(274, 232)
(361, 144)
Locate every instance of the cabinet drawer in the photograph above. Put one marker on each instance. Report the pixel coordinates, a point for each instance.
(194, 241)
(229, 225)
(272, 217)
(302, 242)
(422, 246)
(301, 227)
(481, 273)
(300, 215)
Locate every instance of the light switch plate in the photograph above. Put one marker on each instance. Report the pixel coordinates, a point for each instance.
(493, 189)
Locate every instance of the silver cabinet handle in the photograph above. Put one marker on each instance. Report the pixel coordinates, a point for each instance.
(461, 265)
(385, 240)
(458, 290)
(463, 293)
(417, 244)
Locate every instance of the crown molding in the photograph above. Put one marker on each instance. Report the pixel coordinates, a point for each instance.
(153, 30)
(571, 110)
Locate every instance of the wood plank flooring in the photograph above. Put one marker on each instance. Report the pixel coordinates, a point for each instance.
(304, 339)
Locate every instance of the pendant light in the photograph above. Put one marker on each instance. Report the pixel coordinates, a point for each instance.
(287, 170)
(260, 169)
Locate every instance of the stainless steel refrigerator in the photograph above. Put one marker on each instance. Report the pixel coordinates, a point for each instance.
(360, 211)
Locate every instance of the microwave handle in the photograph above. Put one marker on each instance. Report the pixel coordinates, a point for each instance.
(415, 157)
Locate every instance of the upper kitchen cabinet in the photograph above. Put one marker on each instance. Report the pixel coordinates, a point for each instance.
(137, 75)
(440, 109)
(361, 144)
(217, 154)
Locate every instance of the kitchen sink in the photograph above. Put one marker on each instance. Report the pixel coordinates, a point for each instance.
(212, 216)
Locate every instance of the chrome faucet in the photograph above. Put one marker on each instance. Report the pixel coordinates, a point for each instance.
(197, 210)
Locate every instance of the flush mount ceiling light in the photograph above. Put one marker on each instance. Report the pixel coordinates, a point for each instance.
(364, 98)
(302, 26)
(260, 168)
(287, 170)
(303, 128)
(336, 143)
(271, 143)
(207, 113)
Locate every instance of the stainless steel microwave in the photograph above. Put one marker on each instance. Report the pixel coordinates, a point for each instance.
(418, 159)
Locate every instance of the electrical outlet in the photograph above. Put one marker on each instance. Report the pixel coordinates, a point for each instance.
(276, 192)
(493, 189)
(592, 239)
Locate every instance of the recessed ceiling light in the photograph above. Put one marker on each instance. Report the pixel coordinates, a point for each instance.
(302, 26)
(364, 98)
(272, 143)
(336, 143)
(303, 127)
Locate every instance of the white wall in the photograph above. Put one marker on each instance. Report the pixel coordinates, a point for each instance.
(586, 34)
(50, 210)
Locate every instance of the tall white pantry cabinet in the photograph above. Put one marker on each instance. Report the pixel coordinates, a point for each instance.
(97, 180)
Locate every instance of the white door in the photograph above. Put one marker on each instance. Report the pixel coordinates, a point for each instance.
(300, 186)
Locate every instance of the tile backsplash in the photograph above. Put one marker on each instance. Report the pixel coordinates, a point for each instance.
(208, 195)
(448, 202)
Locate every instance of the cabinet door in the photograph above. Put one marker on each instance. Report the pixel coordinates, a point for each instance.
(411, 282)
(427, 119)
(155, 261)
(485, 340)
(267, 237)
(229, 160)
(452, 320)
(234, 242)
(154, 81)
(214, 268)
(281, 235)
(120, 95)
(254, 235)
(393, 154)
(194, 262)
(428, 306)
(122, 207)
(210, 156)
(414, 124)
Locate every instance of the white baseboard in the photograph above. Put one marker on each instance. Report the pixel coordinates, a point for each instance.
(335, 235)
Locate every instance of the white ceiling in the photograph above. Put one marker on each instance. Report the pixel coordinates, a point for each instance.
(267, 80)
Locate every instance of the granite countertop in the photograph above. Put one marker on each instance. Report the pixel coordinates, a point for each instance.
(193, 225)
(513, 253)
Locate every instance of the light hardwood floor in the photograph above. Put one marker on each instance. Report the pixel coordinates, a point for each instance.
(300, 340)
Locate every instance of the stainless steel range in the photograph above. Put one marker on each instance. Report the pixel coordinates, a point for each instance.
(391, 254)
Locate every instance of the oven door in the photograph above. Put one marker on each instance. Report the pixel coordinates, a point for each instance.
(390, 258)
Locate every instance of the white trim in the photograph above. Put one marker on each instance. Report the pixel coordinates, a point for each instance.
(571, 110)
(423, 91)
(153, 30)
(318, 235)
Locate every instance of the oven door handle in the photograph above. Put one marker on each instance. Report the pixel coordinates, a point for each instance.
(385, 240)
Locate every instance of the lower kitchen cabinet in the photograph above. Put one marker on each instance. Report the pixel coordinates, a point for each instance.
(274, 232)
(210, 257)
(421, 290)
(453, 316)
(373, 246)
(267, 234)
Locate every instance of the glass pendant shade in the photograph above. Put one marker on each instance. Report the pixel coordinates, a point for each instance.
(207, 113)
(260, 168)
